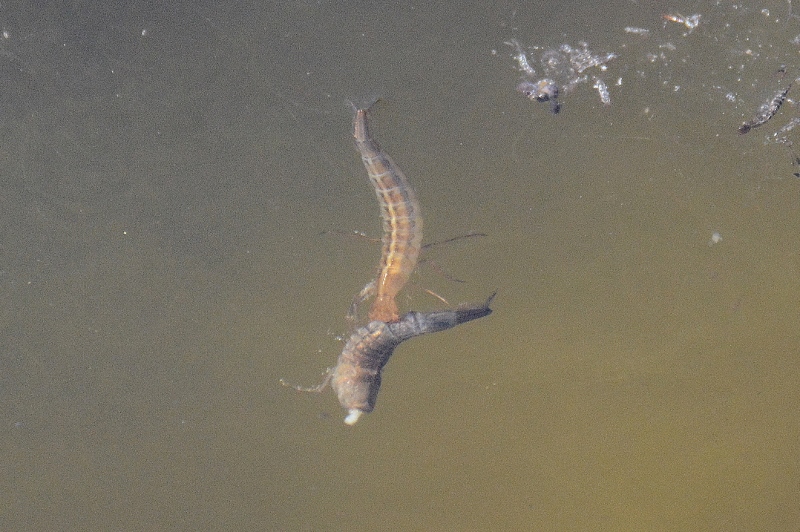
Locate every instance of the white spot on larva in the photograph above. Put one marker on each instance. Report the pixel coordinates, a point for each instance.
(352, 416)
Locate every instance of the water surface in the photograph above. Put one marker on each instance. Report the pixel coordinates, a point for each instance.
(167, 174)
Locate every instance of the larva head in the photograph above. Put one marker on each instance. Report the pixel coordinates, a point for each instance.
(356, 389)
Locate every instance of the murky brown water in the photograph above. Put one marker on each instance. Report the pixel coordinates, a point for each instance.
(166, 176)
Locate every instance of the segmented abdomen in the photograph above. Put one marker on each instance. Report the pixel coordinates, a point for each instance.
(402, 222)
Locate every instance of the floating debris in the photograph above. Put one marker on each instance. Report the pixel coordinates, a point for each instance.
(691, 22)
(522, 59)
(766, 111)
(582, 58)
(544, 90)
(781, 136)
(737, 39)
(602, 90)
(560, 70)
(637, 31)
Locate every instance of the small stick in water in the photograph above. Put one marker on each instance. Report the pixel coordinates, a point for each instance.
(766, 111)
